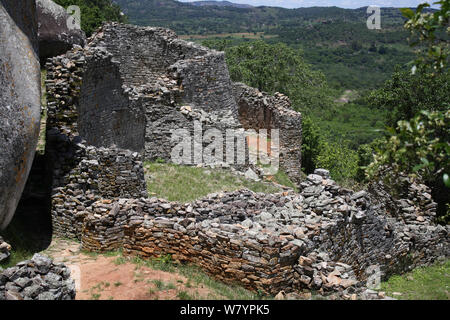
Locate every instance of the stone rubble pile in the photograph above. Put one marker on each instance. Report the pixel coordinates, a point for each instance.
(413, 202)
(37, 279)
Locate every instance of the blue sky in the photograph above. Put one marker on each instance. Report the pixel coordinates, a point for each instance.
(328, 3)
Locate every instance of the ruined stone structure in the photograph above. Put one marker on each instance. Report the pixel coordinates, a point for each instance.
(133, 71)
(81, 174)
(19, 100)
(326, 238)
(116, 102)
(259, 110)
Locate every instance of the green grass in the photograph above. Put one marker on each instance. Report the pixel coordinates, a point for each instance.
(425, 283)
(161, 285)
(185, 183)
(183, 295)
(282, 178)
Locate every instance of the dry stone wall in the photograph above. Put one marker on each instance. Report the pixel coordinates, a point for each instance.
(258, 110)
(81, 173)
(107, 115)
(327, 238)
(174, 82)
(127, 72)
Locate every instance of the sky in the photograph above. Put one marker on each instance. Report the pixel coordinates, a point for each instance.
(328, 3)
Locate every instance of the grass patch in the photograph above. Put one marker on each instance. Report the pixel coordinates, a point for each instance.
(282, 178)
(185, 183)
(425, 283)
(161, 285)
(183, 295)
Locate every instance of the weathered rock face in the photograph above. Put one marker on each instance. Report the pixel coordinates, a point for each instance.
(55, 37)
(37, 279)
(19, 100)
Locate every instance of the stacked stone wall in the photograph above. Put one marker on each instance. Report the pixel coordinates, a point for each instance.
(327, 238)
(258, 110)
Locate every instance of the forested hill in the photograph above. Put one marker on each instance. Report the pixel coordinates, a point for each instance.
(220, 4)
(186, 18)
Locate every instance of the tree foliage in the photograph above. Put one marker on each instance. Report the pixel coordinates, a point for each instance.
(419, 147)
(404, 95)
(278, 68)
(430, 34)
(419, 106)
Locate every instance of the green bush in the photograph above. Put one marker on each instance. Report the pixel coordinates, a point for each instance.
(420, 148)
(311, 143)
(341, 161)
(404, 95)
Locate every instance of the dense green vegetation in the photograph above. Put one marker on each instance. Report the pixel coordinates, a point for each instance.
(94, 12)
(419, 143)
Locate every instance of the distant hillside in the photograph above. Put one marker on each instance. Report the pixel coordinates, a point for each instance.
(186, 18)
(220, 4)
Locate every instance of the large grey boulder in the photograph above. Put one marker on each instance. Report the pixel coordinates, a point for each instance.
(19, 100)
(56, 36)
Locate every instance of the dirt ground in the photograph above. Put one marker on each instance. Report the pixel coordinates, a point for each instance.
(100, 277)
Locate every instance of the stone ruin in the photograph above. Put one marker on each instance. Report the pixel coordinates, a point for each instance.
(114, 104)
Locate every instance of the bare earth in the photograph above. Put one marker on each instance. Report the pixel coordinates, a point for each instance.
(100, 277)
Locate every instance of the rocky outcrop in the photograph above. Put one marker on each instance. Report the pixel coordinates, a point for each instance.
(56, 35)
(19, 100)
(37, 279)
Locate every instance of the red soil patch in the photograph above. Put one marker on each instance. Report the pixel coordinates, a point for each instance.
(100, 277)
